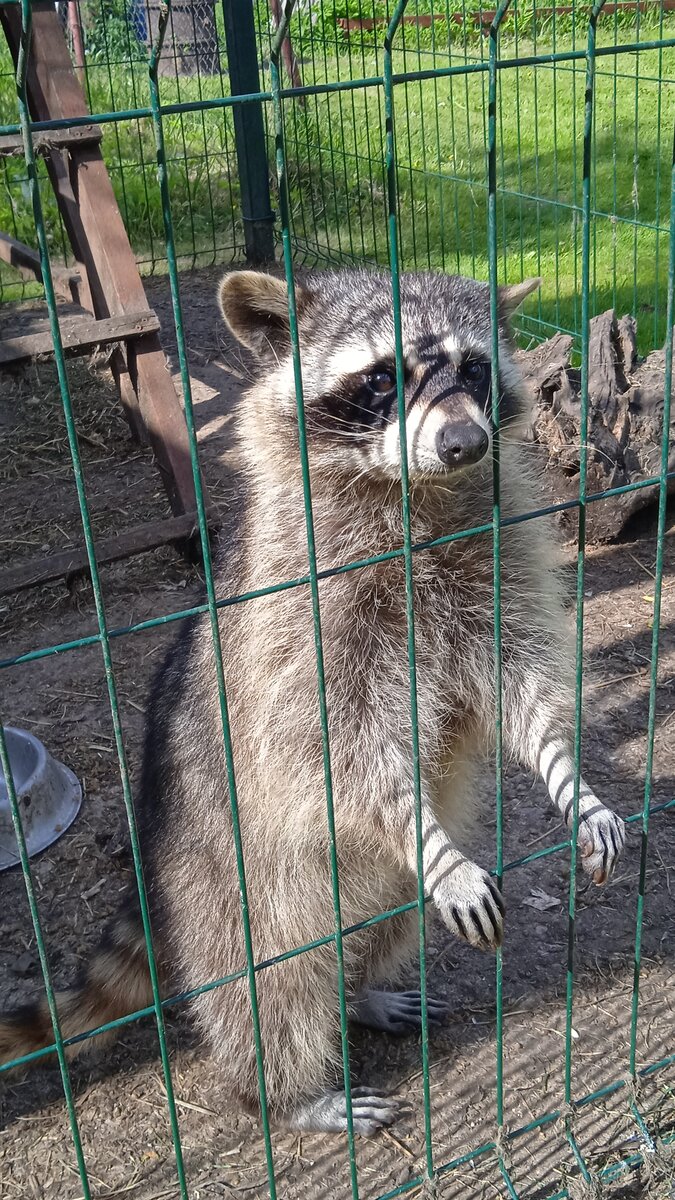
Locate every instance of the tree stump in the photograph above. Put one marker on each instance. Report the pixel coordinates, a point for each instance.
(625, 416)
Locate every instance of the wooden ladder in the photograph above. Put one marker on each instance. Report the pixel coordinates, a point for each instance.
(104, 283)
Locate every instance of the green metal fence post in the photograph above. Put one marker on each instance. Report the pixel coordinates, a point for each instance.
(249, 132)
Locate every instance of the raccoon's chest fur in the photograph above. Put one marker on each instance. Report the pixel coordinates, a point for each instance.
(271, 661)
(453, 643)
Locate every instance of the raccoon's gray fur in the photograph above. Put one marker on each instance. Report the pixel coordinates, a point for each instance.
(347, 343)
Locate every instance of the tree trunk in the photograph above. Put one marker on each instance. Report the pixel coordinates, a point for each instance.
(625, 416)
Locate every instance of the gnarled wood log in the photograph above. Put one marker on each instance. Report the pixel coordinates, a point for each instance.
(624, 421)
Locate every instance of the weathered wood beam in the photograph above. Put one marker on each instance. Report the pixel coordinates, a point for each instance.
(78, 334)
(99, 239)
(27, 263)
(67, 563)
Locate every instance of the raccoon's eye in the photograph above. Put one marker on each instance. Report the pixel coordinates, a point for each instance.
(381, 382)
(474, 370)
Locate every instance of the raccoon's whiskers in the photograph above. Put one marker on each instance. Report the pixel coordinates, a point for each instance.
(572, 446)
(351, 482)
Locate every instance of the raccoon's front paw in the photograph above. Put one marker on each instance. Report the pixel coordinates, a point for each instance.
(601, 839)
(471, 905)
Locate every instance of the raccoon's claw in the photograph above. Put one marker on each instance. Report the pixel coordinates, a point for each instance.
(601, 840)
(396, 1013)
(328, 1113)
(471, 906)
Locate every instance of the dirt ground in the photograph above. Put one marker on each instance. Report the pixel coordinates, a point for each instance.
(119, 1094)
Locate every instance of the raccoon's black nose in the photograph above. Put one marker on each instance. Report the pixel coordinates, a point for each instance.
(459, 445)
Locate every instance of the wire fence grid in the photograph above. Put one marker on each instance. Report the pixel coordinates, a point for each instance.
(488, 143)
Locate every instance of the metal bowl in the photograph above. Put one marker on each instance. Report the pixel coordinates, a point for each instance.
(48, 794)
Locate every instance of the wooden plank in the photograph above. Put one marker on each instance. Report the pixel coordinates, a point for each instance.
(27, 263)
(44, 140)
(78, 334)
(99, 239)
(486, 16)
(118, 364)
(424, 20)
(74, 562)
(57, 167)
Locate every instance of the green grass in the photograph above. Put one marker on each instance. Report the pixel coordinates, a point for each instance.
(338, 176)
(335, 147)
(201, 164)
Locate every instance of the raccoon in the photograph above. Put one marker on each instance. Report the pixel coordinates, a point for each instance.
(346, 331)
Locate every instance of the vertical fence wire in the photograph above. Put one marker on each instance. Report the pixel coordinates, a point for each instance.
(282, 179)
(658, 589)
(394, 259)
(615, 131)
(42, 952)
(636, 162)
(22, 69)
(556, 185)
(657, 206)
(576, 207)
(33, 184)
(493, 52)
(208, 572)
(587, 179)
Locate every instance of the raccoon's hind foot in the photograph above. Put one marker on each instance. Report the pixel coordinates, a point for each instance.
(601, 840)
(397, 1013)
(328, 1113)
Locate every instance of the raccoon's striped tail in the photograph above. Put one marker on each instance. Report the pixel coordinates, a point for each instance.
(116, 982)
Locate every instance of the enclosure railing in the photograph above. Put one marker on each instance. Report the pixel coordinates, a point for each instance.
(492, 68)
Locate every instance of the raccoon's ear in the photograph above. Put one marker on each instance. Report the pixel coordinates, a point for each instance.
(255, 308)
(511, 295)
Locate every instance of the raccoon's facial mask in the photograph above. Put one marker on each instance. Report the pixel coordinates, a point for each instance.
(447, 427)
(447, 423)
(356, 407)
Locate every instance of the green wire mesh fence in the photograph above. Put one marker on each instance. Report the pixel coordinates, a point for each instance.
(455, 138)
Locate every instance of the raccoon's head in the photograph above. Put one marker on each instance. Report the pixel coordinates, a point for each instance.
(346, 333)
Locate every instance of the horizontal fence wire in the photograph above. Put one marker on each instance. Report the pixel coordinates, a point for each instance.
(182, 997)
(490, 71)
(344, 85)
(327, 573)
